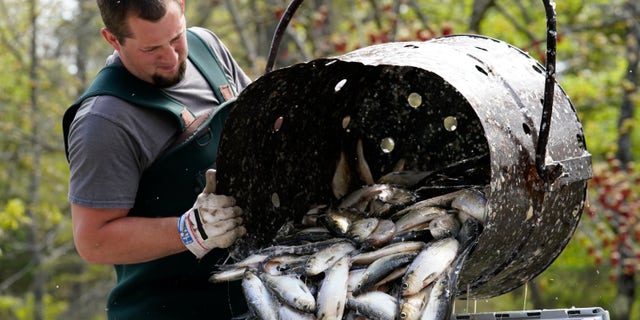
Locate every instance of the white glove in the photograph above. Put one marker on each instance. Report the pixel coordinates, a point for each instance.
(213, 222)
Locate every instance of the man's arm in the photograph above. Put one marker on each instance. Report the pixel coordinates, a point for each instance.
(109, 236)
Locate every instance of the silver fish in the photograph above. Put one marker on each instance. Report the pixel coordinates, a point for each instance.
(368, 257)
(332, 295)
(290, 290)
(354, 278)
(416, 216)
(444, 226)
(341, 178)
(472, 203)
(444, 289)
(325, 258)
(381, 235)
(364, 172)
(286, 312)
(251, 261)
(339, 221)
(228, 275)
(285, 264)
(411, 307)
(395, 274)
(438, 306)
(362, 229)
(381, 268)
(259, 299)
(359, 199)
(302, 249)
(374, 305)
(432, 261)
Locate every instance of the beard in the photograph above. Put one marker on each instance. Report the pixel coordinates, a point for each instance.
(165, 82)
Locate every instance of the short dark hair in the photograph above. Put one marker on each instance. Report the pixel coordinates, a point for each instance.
(115, 13)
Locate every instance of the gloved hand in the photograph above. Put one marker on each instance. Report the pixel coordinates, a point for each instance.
(213, 222)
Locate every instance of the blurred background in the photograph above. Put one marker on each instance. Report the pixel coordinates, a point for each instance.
(50, 51)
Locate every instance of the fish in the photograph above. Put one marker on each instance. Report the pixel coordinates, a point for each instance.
(438, 304)
(342, 177)
(381, 268)
(364, 172)
(374, 305)
(285, 264)
(339, 221)
(472, 203)
(432, 261)
(286, 312)
(301, 249)
(251, 261)
(361, 229)
(440, 301)
(226, 275)
(421, 233)
(332, 295)
(389, 200)
(365, 258)
(290, 290)
(325, 258)
(414, 217)
(444, 226)
(381, 235)
(259, 299)
(411, 307)
(395, 274)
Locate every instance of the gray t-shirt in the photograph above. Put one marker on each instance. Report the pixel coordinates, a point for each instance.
(112, 142)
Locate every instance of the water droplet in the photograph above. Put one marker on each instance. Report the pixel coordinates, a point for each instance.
(277, 124)
(387, 145)
(415, 100)
(340, 84)
(451, 123)
(275, 200)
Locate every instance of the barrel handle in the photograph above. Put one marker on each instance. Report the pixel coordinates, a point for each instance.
(547, 173)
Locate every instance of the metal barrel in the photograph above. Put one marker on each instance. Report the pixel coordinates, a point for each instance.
(467, 106)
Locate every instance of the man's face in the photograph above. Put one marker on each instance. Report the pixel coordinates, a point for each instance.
(157, 51)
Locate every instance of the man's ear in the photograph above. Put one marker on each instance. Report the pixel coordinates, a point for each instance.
(111, 38)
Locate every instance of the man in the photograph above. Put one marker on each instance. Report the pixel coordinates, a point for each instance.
(135, 178)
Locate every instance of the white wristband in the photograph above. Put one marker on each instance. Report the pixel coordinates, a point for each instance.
(189, 234)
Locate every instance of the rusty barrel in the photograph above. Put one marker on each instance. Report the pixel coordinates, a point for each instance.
(468, 106)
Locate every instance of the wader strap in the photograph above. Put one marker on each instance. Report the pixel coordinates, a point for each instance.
(200, 53)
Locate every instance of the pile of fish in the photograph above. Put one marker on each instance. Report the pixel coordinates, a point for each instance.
(380, 253)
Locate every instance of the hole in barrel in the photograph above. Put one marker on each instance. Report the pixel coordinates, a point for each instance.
(415, 100)
(387, 145)
(537, 69)
(451, 123)
(345, 121)
(275, 200)
(479, 68)
(278, 124)
(340, 84)
(526, 129)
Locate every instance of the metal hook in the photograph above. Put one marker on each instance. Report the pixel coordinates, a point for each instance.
(277, 35)
(548, 174)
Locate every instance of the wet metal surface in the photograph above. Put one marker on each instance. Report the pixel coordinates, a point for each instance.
(469, 106)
